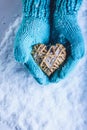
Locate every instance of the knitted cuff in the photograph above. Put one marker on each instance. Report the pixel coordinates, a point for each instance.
(36, 8)
(67, 6)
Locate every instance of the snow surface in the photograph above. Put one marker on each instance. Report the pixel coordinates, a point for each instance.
(25, 105)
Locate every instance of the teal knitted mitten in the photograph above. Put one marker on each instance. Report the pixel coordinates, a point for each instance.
(34, 29)
(65, 25)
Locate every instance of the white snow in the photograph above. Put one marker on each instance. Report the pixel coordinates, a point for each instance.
(25, 105)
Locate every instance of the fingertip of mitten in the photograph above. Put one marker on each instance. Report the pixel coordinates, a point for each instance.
(55, 77)
(37, 73)
(63, 74)
(42, 82)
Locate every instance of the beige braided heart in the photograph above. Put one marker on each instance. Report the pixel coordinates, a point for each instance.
(49, 59)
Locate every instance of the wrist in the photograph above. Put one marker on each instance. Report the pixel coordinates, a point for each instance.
(36, 8)
(67, 7)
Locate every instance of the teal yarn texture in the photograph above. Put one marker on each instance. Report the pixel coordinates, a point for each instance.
(48, 21)
(65, 24)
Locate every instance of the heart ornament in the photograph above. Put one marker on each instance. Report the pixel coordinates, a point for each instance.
(49, 59)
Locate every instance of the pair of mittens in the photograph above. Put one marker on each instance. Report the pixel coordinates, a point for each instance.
(41, 25)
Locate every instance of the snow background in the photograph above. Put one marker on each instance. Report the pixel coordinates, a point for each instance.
(24, 104)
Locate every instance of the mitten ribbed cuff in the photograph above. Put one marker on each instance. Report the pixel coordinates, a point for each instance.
(36, 8)
(68, 6)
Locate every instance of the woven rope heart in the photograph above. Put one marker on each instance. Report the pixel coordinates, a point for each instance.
(49, 59)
